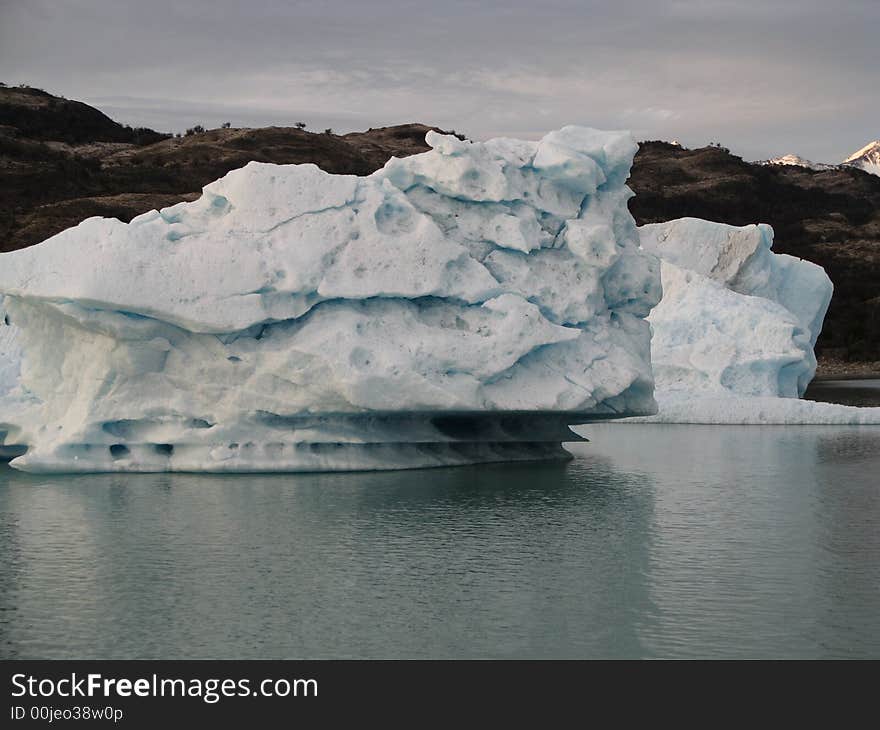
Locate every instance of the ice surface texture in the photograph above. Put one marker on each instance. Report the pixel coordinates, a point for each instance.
(10, 356)
(291, 319)
(10, 364)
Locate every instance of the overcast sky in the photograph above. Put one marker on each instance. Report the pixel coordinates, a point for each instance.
(763, 77)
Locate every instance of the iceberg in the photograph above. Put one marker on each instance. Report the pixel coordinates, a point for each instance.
(734, 332)
(462, 305)
(735, 318)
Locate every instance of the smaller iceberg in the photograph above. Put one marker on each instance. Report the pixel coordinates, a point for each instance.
(735, 318)
(734, 332)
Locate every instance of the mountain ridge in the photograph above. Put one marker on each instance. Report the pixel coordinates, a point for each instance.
(797, 161)
(867, 159)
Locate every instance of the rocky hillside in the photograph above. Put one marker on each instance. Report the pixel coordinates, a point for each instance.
(63, 161)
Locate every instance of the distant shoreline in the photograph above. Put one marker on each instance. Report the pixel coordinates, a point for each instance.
(833, 369)
(831, 377)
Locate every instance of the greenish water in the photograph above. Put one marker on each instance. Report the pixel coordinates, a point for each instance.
(655, 541)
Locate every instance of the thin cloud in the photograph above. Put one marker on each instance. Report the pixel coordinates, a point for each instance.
(762, 78)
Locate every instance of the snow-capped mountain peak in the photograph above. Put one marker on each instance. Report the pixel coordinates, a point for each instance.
(872, 149)
(798, 161)
(867, 158)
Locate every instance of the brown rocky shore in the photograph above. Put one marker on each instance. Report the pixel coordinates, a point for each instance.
(832, 369)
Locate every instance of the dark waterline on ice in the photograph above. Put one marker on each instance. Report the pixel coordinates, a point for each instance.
(670, 541)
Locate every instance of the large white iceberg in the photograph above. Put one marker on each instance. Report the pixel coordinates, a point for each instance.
(461, 305)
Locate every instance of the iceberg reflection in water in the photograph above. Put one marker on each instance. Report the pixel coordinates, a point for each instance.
(655, 540)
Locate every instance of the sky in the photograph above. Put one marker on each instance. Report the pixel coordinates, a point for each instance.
(762, 77)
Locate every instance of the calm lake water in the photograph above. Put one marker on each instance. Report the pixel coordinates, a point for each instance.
(655, 541)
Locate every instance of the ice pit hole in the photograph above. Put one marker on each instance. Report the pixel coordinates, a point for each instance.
(119, 451)
(360, 357)
(219, 202)
(164, 449)
(393, 219)
(234, 358)
(125, 428)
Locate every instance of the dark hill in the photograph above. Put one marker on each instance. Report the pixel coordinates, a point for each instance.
(36, 114)
(63, 161)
